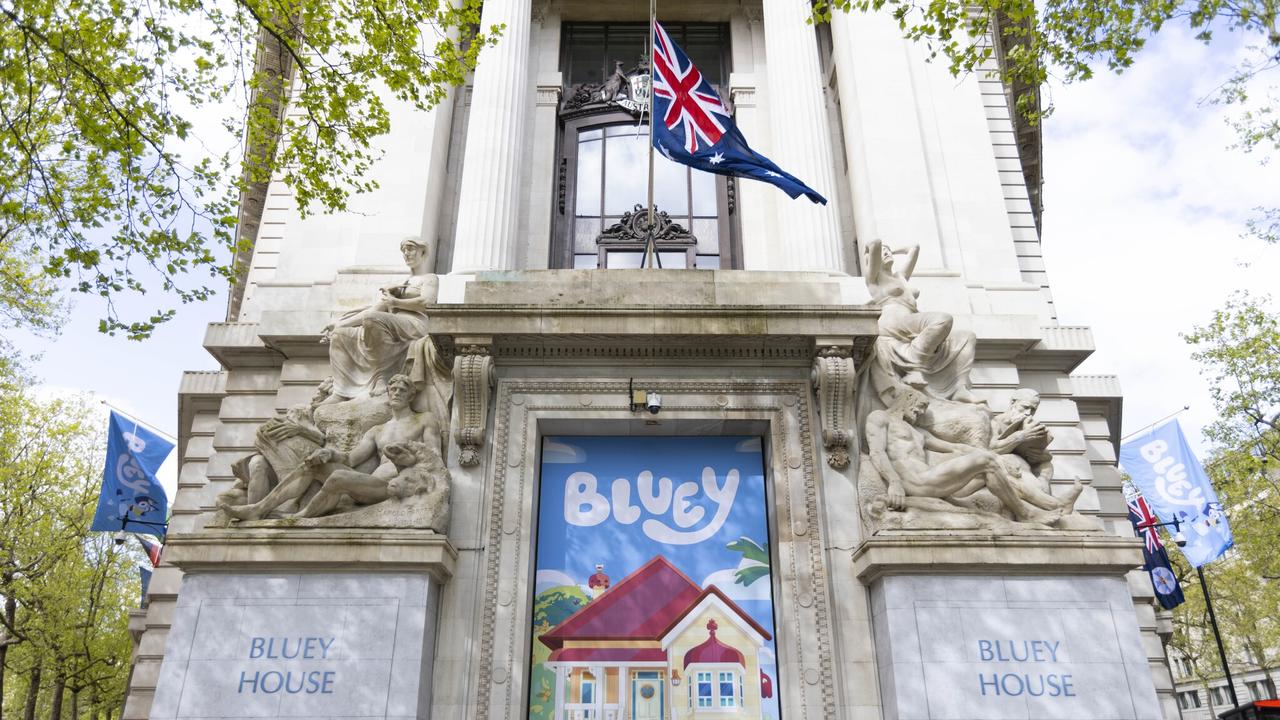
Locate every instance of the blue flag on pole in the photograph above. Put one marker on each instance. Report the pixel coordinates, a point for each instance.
(145, 577)
(1172, 480)
(1155, 558)
(695, 128)
(131, 497)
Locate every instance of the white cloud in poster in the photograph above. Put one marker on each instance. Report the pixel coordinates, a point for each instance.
(750, 445)
(559, 453)
(551, 578)
(766, 655)
(723, 579)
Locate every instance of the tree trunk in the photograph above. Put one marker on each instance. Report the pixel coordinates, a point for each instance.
(33, 694)
(75, 705)
(10, 616)
(55, 707)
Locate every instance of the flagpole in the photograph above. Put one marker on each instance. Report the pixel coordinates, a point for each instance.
(1145, 428)
(650, 248)
(1222, 652)
(139, 421)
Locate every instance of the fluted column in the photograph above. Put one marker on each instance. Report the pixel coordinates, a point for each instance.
(801, 137)
(489, 193)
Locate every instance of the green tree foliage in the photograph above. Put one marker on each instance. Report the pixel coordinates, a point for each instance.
(1239, 355)
(65, 591)
(1069, 38)
(103, 170)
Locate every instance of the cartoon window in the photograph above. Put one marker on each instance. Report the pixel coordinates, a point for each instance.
(588, 692)
(705, 699)
(727, 697)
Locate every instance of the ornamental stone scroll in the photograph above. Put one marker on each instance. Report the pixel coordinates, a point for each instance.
(833, 379)
(473, 381)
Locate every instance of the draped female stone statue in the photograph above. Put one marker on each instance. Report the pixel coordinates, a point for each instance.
(369, 345)
(915, 349)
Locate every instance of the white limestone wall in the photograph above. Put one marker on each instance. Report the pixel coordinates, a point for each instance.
(293, 251)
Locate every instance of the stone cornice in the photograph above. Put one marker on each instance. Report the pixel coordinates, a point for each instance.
(275, 549)
(960, 553)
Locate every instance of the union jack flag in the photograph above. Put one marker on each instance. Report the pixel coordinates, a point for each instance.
(1144, 522)
(693, 106)
(152, 549)
(1155, 557)
(695, 128)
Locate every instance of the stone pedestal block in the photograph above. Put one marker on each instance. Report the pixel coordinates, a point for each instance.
(267, 627)
(1020, 640)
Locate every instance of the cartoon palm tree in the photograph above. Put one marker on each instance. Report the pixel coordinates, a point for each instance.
(755, 560)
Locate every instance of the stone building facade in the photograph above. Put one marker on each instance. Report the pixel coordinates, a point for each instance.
(763, 324)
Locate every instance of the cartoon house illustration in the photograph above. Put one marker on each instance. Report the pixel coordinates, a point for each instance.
(657, 646)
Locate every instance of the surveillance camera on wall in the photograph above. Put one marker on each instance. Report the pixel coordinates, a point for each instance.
(119, 537)
(653, 402)
(1179, 539)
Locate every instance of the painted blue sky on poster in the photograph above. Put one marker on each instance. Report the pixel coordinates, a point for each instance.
(620, 501)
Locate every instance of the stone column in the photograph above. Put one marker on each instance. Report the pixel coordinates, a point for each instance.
(801, 137)
(489, 192)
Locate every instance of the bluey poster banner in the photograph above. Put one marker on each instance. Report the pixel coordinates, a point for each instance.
(1169, 476)
(131, 497)
(653, 592)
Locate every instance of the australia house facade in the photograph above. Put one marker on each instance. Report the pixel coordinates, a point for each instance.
(466, 458)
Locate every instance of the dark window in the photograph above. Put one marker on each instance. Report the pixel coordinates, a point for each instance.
(604, 157)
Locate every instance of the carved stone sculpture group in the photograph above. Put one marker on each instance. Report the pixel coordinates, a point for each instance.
(935, 456)
(368, 450)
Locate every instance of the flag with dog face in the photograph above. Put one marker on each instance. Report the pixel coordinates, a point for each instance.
(131, 497)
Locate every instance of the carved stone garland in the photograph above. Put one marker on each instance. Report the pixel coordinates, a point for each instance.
(833, 379)
(473, 378)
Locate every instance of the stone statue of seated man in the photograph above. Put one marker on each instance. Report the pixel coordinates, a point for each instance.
(386, 443)
(897, 449)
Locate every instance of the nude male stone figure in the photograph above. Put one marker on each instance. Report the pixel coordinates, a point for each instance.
(897, 449)
(404, 427)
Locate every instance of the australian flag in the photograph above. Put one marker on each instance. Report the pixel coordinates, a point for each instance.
(1168, 591)
(694, 127)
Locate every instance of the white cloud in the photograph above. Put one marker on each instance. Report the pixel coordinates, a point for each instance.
(560, 453)
(551, 578)
(750, 445)
(1144, 207)
(724, 579)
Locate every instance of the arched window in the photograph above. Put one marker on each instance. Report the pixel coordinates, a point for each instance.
(601, 213)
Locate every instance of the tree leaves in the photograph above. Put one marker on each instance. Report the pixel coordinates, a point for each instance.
(102, 173)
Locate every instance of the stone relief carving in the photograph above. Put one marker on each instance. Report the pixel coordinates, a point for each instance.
(833, 377)
(369, 449)
(914, 349)
(936, 457)
(367, 346)
(942, 465)
(393, 477)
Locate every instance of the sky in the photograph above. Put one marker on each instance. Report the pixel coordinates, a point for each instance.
(1144, 207)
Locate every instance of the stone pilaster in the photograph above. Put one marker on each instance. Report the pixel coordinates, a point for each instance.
(801, 137)
(490, 192)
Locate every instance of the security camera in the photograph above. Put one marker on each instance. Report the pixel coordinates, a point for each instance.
(119, 537)
(1179, 539)
(653, 402)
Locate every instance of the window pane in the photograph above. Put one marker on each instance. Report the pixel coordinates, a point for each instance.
(626, 173)
(707, 230)
(671, 188)
(704, 193)
(582, 261)
(586, 230)
(674, 260)
(623, 259)
(588, 182)
(708, 262)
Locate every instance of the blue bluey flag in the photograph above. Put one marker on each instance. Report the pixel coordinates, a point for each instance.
(694, 127)
(1155, 558)
(1172, 480)
(131, 497)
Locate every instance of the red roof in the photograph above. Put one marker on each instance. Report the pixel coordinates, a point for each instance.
(712, 650)
(640, 607)
(644, 605)
(608, 655)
